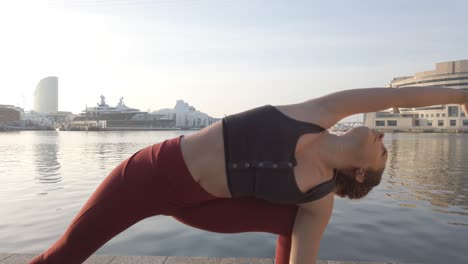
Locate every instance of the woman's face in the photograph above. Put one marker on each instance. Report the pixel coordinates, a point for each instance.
(369, 148)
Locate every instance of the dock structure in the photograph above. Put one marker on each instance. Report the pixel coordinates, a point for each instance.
(10, 258)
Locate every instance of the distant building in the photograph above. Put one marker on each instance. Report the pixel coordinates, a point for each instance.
(187, 116)
(10, 113)
(38, 119)
(62, 117)
(452, 74)
(46, 96)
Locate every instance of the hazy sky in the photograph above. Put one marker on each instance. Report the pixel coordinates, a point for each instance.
(222, 56)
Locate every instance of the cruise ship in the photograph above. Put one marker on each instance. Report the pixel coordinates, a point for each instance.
(437, 118)
(105, 112)
(120, 117)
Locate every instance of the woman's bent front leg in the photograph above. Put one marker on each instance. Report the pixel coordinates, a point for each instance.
(239, 215)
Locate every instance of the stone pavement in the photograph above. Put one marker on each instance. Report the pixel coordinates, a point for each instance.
(6, 258)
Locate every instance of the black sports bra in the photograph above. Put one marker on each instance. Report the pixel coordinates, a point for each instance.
(259, 150)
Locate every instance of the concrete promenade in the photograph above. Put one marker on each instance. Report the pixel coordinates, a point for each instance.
(12, 258)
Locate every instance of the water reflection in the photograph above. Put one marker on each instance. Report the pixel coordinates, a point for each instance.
(421, 204)
(110, 154)
(45, 153)
(424, 168)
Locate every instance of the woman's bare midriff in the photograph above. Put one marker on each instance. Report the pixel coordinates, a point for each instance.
(203, 153)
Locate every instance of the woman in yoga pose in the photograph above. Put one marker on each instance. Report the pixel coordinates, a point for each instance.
(268, 169)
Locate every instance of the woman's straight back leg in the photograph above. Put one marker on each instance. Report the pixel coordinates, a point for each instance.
(143, 185)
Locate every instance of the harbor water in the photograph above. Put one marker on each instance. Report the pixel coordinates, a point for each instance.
(418, 214)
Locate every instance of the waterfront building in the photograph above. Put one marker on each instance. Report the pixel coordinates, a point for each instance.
(46, 95)
(10, 114)
(62, 117)
(34, 118)
(12, 117)
(437, 118)
(187, 117)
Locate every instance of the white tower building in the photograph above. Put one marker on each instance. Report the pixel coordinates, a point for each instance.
(187, 116)
(46, 95)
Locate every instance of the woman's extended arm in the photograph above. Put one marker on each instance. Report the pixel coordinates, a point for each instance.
(310, 223)
(336, 106)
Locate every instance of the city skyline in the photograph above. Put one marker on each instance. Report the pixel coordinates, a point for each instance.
(221, 57)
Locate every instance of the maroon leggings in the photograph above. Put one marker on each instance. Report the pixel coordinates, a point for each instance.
(155, 181)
